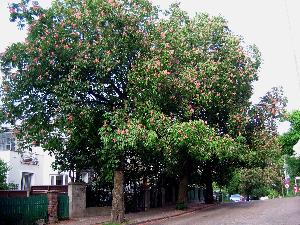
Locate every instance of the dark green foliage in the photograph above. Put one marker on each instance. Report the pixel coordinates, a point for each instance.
(181, 206)
(290, 138)
(3, 174)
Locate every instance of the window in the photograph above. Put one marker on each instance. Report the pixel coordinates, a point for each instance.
(52, 180)
(26, 180)
(7, 142)
(66, 179)
(85, 177)
(59, 179)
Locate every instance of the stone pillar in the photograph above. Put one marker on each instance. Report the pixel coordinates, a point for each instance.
(147, 199)
(52, 206)
(190, 195)
(77, 199)
(196, 194)
(173, 194)
(193, 194)
(163, 197)
(201, 195)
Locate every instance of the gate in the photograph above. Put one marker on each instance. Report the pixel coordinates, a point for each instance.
(23, 210)
(63, 207)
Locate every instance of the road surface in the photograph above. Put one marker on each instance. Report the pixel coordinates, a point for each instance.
(285, 211)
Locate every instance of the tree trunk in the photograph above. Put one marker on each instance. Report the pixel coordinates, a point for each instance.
(184, 179)
(209, 198)
(118, 208)
(183, 188)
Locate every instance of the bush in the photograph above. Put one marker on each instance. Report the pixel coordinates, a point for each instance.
(273, 194)
(3, 173)
(181, 206)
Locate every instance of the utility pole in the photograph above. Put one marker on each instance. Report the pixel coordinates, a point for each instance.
(286, 175)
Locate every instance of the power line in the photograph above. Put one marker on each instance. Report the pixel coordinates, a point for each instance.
(292, 41)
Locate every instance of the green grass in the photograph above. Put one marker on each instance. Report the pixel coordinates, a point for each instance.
(111, 223)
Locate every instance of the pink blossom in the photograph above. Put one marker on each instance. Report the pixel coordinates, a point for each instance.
(41, 16)
(114, 140)
(111, 2)
(70, 117)
(78, 15)
(36, 7)
(14, 76)
(14, 58)
(12, 10)
(162, 35)
(35, 60)
(166, 72)
(197, 84)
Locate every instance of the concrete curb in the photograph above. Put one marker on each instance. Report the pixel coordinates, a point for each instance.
(175, 215)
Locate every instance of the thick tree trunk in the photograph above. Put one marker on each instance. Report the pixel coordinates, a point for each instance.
(209, 198)
(183, 189)
(118, 208)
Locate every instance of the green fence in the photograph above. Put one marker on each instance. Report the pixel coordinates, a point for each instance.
(63, 207)
(23, 210)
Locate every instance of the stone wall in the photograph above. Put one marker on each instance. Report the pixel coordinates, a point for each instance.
(77, 199)
(52, 206)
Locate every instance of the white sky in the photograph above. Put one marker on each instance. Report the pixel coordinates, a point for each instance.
(264, 23)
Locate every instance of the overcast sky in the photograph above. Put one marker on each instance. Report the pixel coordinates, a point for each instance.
(263, 23)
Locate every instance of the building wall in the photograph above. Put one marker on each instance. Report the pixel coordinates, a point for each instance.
(41, 171)
(18, 167)
(35, 164)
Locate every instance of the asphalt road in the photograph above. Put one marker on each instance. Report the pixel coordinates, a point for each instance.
(285, 211)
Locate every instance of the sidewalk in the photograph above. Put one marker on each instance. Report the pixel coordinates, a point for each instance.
(151, 215)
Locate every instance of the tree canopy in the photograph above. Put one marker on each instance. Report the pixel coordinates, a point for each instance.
(105, 84)
(290, 138)
(71, 69)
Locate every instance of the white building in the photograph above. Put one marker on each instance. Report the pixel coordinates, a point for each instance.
(296, 149)
(28, 168)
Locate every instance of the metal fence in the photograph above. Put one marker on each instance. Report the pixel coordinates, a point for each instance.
(63, 207)
(23, 210)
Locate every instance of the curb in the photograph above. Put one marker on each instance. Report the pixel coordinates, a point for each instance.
(175, 215)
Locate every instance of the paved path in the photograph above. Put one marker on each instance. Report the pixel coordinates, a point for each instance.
(154, 214)
(284, 211)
